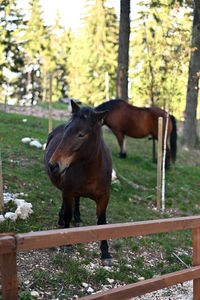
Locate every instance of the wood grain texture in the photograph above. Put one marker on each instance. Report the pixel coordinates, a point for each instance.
(196, 261)
(146, 286)
(51, 238)
(9, 276)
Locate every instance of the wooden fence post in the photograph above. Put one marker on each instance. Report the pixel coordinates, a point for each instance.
(196, 261)
(159, 162)
(8, 267)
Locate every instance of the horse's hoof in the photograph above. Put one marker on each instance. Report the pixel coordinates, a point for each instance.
(68, 249)
(61, 226)
(167, 166)
(122, 155)
(107, 262)
(78, 224)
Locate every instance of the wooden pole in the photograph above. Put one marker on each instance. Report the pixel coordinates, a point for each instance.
(159, 162)
(196, 262)
(1, 184)
(163, 162)
(9, 276)
(107, 85)
(50, 103)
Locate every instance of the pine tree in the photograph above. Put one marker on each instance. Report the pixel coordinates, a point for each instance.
(123, 52)
(159, 57)
(35, 36)
(93, 53)
(11, 56)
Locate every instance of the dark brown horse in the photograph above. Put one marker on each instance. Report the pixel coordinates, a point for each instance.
(138, 122)
(79, 163)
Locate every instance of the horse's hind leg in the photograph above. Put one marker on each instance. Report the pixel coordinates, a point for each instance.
(121, 142)
(167, 159)
(77, 217)
(101, 219)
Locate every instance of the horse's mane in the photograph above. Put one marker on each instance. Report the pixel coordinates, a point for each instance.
(108, 105)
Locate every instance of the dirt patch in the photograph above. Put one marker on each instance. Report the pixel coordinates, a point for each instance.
(37, 111)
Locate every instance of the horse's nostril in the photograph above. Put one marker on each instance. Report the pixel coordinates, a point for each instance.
(54, 167)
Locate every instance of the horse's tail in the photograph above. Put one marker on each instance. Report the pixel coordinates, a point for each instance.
(173, 139)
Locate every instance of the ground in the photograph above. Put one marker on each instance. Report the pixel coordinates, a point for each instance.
(41, 259)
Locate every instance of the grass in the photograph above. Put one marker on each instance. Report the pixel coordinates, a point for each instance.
(146, 256)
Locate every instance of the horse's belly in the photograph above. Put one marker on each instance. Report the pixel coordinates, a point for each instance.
(137, 133)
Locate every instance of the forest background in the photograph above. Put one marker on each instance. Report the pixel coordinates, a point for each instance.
(83, 62)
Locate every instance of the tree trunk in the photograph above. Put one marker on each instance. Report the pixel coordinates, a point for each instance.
(44, 92)
(189, 130)
(123, 52)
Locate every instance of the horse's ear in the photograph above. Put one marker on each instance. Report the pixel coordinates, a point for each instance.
(100, 116)
(74, 106)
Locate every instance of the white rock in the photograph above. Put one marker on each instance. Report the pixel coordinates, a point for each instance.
(26, 140)
(11, 215)
(7, 197)
(90, 290)
(84, 284)
(128, 266)
(2, 218)
(36, 144)
(141, 278)
(110, 280)
(35, 294)
(114, 175)
(24, 120)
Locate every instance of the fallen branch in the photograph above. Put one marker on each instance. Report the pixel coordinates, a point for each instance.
(180, 259)
(135, 185)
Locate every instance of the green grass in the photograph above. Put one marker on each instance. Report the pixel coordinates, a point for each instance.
(23, 171)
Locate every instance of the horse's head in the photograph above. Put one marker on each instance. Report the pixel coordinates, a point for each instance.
(80, 138)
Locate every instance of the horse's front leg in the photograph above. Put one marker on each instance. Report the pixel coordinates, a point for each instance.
(101, 219)
(61, 222)
(67, 215)
(77, 216)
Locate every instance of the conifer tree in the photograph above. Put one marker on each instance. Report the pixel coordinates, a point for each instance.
(11, 56)
(93, 53)
(159, 57)
(36, 35)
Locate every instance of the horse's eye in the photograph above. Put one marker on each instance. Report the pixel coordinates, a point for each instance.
(81, 135)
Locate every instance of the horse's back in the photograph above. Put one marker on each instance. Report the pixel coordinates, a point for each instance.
(128, 119)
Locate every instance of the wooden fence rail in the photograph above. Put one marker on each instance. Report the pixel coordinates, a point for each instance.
(11, 244)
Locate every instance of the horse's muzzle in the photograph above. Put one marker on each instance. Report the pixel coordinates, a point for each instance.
(54, 168)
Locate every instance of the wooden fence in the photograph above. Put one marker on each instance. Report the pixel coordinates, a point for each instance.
(10, 244)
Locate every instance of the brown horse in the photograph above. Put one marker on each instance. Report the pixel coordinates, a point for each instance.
(79, 163)
(138, 122)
